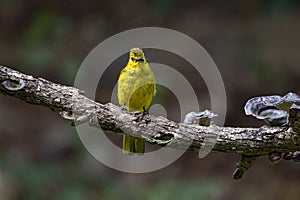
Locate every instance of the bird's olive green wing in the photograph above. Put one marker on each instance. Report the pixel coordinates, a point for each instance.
(125, 87)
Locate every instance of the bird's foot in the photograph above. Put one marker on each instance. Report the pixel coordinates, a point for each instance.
(123, 108)
(142, 116)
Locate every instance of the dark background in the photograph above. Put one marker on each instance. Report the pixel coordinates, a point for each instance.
(255, 45)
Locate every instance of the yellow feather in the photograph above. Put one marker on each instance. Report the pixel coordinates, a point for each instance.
(136, 89)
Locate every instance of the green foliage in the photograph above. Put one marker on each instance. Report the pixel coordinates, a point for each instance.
(38, 58)
(164, 7)
(166, 189)
(50, 180)
(275, 7)
(44, 35)
(33, 180)
(69, 69)
(45, 27)
(1, 186)
(72, 192)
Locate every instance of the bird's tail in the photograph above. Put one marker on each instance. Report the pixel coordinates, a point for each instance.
(133, 145)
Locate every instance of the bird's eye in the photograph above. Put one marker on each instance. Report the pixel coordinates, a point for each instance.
(132, 58)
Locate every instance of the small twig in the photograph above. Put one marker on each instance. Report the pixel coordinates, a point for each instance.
(295, 156)
(244, 164)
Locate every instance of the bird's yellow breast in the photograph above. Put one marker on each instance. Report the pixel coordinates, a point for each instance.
(136, 85)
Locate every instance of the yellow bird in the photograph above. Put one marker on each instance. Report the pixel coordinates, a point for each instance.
(136, 89)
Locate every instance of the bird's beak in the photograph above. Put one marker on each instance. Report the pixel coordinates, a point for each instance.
(141, 59)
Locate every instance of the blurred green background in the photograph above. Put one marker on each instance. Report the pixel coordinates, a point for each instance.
(255, 45)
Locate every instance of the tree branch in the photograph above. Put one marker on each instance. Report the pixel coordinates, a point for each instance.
(73, 105)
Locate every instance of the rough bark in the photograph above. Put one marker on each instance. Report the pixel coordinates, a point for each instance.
(73, 105)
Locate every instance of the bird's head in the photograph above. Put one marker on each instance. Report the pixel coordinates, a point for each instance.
(137, 55)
